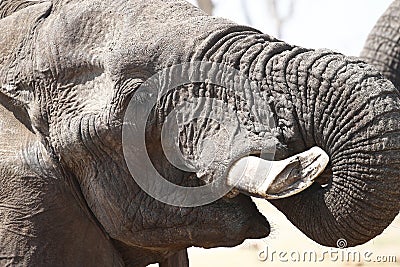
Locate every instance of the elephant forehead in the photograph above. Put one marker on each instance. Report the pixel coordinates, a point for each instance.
(74, 35)
(162, 42)
(120, 35)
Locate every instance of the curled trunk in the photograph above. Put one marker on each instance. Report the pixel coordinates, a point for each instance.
(325, 99)
(382, 47)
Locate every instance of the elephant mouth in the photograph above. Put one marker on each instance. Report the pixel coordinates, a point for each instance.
(276, 179)
(256, 177)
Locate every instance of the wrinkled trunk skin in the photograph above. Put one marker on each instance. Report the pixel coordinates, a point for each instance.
(340, 104)
(382, 47)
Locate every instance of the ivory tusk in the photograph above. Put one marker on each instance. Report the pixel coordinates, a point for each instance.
(277, 179)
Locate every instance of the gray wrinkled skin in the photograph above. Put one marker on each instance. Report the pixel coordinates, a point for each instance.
(68, 69)
(382, 47)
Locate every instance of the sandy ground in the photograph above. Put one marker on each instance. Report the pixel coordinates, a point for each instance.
(287, 246)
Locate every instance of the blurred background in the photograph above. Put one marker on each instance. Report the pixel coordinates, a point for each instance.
(340, 25)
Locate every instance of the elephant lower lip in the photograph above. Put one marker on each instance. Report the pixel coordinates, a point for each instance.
(254, 225)
(257, 226)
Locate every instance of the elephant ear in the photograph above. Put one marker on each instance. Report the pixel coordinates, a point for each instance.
(18, 22)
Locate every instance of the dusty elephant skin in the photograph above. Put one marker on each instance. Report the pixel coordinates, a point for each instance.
(382, 46)
(67, 72)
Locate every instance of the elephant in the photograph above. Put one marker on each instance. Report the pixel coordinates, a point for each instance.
(70, 70)
(381, 48)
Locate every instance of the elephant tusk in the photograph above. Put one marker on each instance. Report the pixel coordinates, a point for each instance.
(281, 178)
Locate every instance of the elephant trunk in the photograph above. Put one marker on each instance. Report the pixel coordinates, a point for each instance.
(321, 98)
(345, 107)
(382, 46)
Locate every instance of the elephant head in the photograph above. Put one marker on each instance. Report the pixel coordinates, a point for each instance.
(381, 48)
(69, 71)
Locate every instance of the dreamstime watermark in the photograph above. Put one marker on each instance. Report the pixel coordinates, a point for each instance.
(177, 111)
(339, 254)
